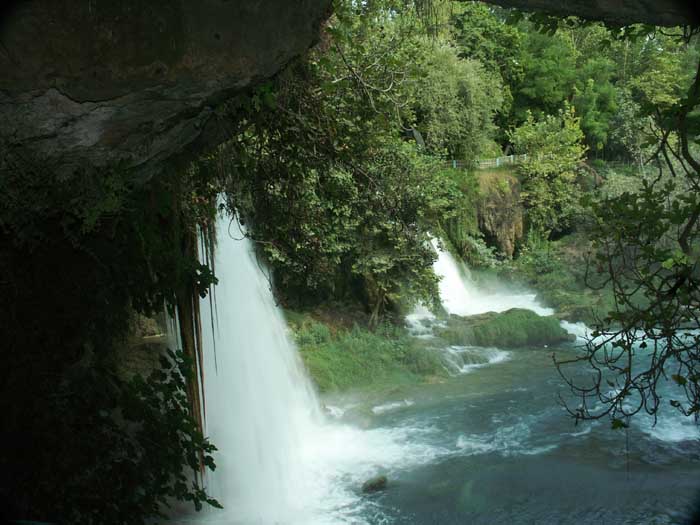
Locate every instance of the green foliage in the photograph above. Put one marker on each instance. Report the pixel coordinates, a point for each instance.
(573, 65)
(461, 231)
(596, 102)
(646, 245)
(546, 62)
(99, 449)
(80, 251)
(663, 74)
(549, 75)
(646, 242)
(480, 34)
(455, 101)
(629, 129)
(341, 204)
(554, 147)
(474, 250)
(143, 448)
(343, 358)
(557, 271)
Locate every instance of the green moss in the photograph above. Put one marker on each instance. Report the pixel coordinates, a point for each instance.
(339, 358)
(513, 328)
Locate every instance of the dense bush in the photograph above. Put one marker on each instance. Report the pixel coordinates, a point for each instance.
(79, 253)
(345, 358)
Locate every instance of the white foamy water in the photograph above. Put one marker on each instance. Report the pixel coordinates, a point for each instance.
(464, 359)
(673, 427)
(388, 407)
(460, 296)
(509, 440)
(278, 459)
(580, 330)
(420, 322)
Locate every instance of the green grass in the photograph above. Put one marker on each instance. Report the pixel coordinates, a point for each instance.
(341, 358)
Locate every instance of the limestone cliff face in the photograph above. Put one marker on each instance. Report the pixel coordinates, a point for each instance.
(499, 211)
(136, 82)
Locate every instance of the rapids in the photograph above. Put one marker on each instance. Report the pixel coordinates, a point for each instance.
(490, 445)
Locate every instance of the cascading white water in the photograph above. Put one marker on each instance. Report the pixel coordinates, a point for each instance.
(260, 404)
(278, 460)
(461, 297)
(280, 463)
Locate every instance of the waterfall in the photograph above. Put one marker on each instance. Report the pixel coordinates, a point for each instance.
(459, 295)
(260, 404)
(279, 461)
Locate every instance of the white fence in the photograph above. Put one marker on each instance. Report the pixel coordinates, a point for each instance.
(490, 163)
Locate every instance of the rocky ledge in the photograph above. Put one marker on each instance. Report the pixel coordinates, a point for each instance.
(135, 83)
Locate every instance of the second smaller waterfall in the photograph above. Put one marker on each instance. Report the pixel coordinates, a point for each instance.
(460, 296)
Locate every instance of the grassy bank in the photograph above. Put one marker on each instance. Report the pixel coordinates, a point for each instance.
(340, 352)
(557, 271)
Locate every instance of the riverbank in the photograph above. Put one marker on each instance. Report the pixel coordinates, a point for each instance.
(560, 274)
(341, 352)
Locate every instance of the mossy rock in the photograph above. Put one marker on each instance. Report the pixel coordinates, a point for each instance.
(510, 329)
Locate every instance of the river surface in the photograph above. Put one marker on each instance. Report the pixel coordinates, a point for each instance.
(488, 445)
(492, 445)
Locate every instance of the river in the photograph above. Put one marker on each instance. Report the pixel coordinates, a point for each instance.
(495, 447)
(488, 445)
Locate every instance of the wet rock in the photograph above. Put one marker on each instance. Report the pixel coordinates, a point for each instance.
(374, 484)
(499, 211)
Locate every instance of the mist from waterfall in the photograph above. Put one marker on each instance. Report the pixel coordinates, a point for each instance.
(460, 296)
(260, 403)
(279, 458)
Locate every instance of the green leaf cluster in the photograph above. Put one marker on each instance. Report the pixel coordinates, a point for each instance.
(330, 181)
(554, 145)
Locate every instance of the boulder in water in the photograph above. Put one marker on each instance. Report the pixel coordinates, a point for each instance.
(513, 328)
(374, 484)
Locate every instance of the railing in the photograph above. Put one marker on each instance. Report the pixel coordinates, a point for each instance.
(501, 161)
(488, 163)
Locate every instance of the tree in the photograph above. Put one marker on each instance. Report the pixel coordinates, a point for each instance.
(595, 100)
(83, 444)
(554, 148)
(629, 130)
(338, 201)
(454, 101)
(480, 34)
(549, 65)
(647, 246)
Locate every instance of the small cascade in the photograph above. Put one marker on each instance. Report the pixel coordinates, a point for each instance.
(579, 329)
(460, 296)
(463, 359)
